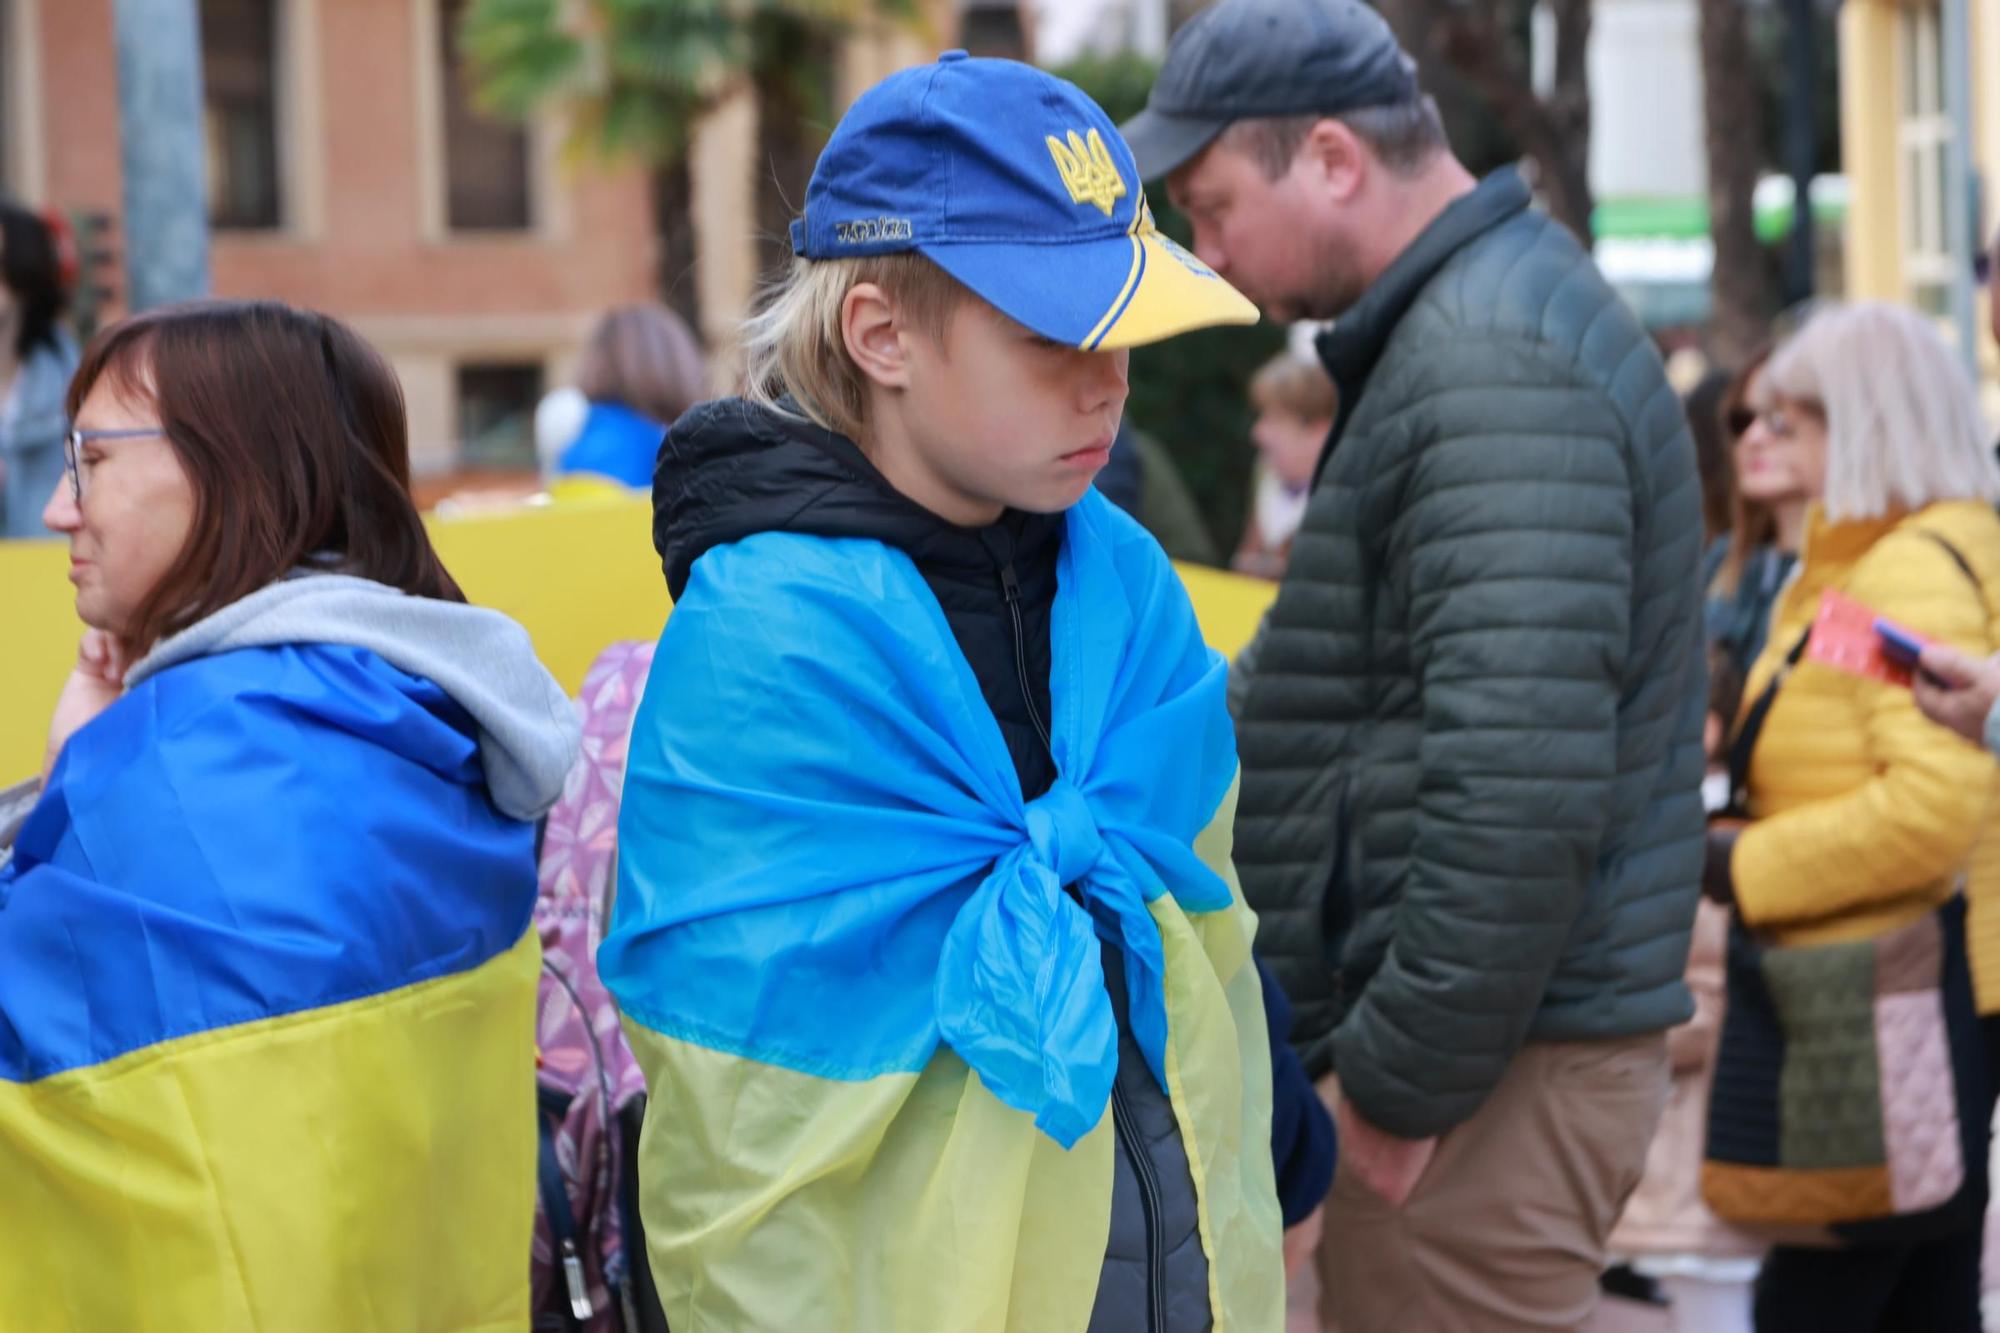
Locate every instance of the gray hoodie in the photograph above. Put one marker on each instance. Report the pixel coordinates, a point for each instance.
(528, 730)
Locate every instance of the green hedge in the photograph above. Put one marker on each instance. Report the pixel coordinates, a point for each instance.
(1188, 392)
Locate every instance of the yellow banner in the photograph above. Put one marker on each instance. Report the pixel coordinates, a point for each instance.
(578, 575)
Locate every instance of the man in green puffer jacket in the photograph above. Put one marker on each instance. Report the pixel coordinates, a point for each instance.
(1472, 737)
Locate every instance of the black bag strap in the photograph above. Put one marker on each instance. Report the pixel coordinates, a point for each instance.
(1743, 745)
(1957, 558)
(563, 1232)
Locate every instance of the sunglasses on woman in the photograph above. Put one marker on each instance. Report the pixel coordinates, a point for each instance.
(1783, 425)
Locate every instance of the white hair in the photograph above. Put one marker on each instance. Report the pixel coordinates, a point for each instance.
(793, 345)
(1902, 416)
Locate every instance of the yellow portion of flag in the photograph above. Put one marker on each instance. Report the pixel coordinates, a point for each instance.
(363, 1168)
(919, 1203)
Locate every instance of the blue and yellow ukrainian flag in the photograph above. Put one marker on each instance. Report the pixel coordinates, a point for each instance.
(266, 1014)
(874, 1024)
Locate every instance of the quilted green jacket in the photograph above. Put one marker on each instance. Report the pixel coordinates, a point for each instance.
(1472, 733)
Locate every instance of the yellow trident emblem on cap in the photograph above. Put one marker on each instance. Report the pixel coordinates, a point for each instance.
(1087, 169)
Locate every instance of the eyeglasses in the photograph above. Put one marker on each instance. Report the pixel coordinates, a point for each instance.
(1781, 423)
(73, 451)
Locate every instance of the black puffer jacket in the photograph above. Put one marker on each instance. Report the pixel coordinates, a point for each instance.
(729, 470)
(1471, 740)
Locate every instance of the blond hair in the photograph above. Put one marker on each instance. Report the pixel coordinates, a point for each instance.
(1287, 383)
(1902, 416)
(644, 356)
(793, 347)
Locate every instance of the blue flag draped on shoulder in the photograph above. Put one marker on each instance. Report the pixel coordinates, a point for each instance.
(879, 824)
(266, 1013)
(864, 974)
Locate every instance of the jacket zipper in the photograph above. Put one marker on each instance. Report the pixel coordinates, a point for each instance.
(1149, 1207)
(1121, 1114)
(1010, 588)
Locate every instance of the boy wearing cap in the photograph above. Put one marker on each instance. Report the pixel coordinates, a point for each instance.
(927, 934)
(1472, 736)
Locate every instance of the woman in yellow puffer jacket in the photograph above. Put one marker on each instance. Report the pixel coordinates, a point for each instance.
(1866, 815)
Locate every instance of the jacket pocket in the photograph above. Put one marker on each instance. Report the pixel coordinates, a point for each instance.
(1337, 908)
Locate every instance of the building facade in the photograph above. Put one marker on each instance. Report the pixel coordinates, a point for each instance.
(1896, 137)
(349, 171)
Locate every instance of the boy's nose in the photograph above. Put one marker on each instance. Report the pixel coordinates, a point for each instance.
(1109, 380)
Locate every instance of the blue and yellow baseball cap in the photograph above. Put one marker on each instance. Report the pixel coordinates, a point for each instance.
(1018, 185)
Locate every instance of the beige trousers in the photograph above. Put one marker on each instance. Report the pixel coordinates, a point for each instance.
(1506, 1229)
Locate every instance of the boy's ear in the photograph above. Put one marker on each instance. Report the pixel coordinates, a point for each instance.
(874, 336)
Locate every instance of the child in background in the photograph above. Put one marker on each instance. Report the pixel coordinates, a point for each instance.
(1295, 404)
(927, 933)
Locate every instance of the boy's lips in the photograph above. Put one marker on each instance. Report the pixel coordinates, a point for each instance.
(1096, 454)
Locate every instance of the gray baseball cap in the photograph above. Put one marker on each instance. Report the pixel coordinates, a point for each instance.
(1240, 59)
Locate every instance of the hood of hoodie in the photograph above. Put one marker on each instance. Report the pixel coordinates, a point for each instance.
(528, 730)
(731, 469)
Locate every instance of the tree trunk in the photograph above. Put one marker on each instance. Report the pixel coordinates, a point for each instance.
(1481, 39)
(794, 89)
(1565, 163)
(162, 151)
(673, 218)
(1743, 297)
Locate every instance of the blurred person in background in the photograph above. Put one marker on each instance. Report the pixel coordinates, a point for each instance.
(1294, 401)
(289, 802)
(1755, 507)
(1767, 501)
(37, 357)
(1677, 1247)
(640, 370)
(1863, 816)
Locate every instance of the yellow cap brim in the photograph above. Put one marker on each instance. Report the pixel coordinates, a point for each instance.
(1169, 292)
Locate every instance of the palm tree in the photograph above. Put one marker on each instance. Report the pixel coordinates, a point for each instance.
(633, 78)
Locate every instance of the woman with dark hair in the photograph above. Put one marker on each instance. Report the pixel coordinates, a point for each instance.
(1747, 566)
(266, 1013)
(36, 358)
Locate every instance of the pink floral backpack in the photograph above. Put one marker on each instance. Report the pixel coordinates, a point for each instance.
(590, 1273)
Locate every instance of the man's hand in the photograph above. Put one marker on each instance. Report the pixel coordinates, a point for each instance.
(93, 686)
(1718, 884)
(1386, 1164)
(1957, 691)
(1302, 1240)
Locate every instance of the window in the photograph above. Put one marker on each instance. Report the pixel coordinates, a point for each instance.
(496, 413)
(239, 54)
(487, 186)
(1923, 145)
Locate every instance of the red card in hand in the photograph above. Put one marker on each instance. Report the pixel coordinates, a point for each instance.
(1845, 638)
